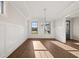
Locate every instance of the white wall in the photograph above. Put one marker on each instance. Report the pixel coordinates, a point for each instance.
(13, 30)
(60, 30)
(2, 38)
(73, 12)
(75, 23)
(75, 27)
(14, 37)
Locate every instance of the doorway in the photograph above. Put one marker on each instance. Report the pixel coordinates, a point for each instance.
(67, 29)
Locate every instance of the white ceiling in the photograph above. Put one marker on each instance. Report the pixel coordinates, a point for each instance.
(52, 8)
(34, 9)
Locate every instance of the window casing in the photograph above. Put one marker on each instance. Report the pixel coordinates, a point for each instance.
(1, 7)
(47, 27)
(34, 27)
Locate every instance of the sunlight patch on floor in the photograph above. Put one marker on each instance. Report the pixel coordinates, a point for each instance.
(43, 54)
(63, 46)
(76, 53)
(38, 45)
(40, 50)
(76, 43)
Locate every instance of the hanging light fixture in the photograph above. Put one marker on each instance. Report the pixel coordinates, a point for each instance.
(42, 23)
(44, 14)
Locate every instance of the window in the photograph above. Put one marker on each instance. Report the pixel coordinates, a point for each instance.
(34, 27)
(47, 27)
(1, 7)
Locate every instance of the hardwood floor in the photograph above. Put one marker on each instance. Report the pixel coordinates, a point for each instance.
(47, 48)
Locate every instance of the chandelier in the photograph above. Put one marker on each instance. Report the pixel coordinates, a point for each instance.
(44, 18)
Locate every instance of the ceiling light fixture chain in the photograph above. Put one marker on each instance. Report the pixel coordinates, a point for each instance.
(45, 14)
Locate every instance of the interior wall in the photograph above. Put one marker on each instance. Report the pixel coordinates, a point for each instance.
(14, 37)
(60, 30)
(13, 30)
(73, 13)
(2, 38)
(75, 34)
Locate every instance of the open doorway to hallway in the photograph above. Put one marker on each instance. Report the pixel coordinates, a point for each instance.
(67, 29)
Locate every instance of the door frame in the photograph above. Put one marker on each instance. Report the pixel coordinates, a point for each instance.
(69, 30)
